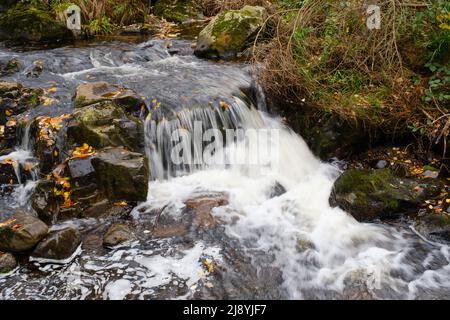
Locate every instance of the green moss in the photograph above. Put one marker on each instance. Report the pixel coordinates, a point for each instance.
(28, 23)
(177, 10)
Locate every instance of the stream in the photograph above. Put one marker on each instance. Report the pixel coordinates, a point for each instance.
(276, 238)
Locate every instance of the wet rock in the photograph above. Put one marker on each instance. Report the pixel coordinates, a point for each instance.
(203, 206)
(195, 217)
(178, 11)
(8, 172)
(92, 93)
(123, 175)
(435, 227)
(117, 234)
(37, 69)
(230, 32)
(48, 137)
(58, 245)
(277, 190)
(23, 23)
(9, 67)
(6, 86)
(15, 99)
(21, 233)
(8, 137)
(104, 124)
(378, 194)
(44, 201)
(7, 262)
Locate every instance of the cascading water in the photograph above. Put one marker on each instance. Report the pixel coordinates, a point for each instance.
(276, 238)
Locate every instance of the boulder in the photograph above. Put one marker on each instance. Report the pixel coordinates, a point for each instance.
(105, 124)
(94, 92)
(7, 262)
(8, 172)
(123, 175)
(378, 194)
(58, 245)
(23, 24)
(21, 232)
(230, 32)
(178, 11)
(116, 234)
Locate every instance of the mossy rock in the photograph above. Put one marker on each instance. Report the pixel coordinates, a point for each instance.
(230, 32)
(27, 23)
(105, 124)
(378, 194)
(178, 11)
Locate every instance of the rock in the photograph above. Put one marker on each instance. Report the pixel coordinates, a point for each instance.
(92, 93)
(44, 201)
(9, 67)
(21, 233)
(7, 262)
(48, 138)
(194, 218)
(381, 164)
(123, 175)
(15, 99)
(105, 124)
(277, 190)
(202, 207)
(378, 194)
(58, 245)
(117, 234)
(230, 32)
(9, 137)
(8, 172)
(24, 23)
(178, 11)
(6, 86)
(435, 227)
(37, 69)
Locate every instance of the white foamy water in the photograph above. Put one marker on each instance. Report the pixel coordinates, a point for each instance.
(317, 248)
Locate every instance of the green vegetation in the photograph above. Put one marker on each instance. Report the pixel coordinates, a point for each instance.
(395, 80)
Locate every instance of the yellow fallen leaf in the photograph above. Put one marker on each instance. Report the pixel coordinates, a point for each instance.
(209, 265)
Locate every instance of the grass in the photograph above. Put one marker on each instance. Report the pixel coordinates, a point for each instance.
(394, 80)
